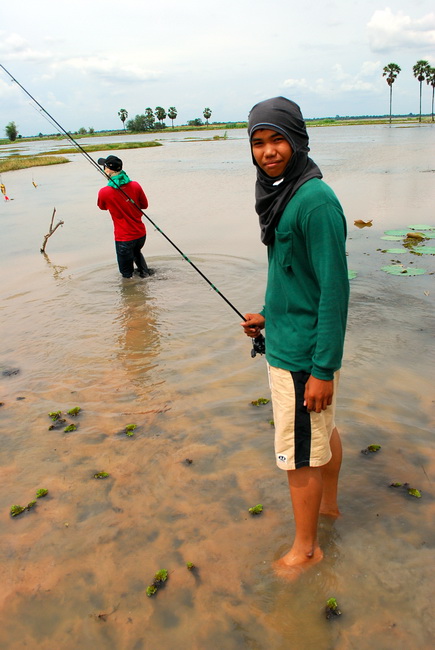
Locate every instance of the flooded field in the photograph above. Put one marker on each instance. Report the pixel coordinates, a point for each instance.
(167, 354)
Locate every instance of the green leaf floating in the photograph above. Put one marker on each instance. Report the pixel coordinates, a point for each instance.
(421, 227)
(398, 269)
(425, 250)
(351, 275)
(396, 251)
(391, 238)
(396, 233)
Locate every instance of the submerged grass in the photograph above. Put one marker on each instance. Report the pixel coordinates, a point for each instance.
(54, 157)
(107, 147)
(23, 162)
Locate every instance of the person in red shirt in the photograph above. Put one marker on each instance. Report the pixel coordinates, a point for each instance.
(125, 199)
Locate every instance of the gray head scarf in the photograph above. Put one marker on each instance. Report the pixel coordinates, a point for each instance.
(284, 116)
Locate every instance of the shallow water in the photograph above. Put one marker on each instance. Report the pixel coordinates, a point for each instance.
(168, 355)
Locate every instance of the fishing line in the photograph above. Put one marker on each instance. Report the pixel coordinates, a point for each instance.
(258, 344)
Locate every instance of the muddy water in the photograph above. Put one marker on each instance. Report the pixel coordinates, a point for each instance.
(167, 354)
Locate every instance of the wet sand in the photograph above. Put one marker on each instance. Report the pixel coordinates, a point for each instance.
(168, 355)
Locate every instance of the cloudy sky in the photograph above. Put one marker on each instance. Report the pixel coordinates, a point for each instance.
(83, 61)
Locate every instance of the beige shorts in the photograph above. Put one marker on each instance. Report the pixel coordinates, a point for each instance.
(301, 438)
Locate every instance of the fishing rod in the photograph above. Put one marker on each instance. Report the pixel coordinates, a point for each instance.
(258, 343)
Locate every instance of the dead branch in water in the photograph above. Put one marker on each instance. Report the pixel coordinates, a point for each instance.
(51, 231)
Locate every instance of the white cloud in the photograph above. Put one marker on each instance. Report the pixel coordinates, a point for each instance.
(16, 48)
(295, 83)
(389, 31)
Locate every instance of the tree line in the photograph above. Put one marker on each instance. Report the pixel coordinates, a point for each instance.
(147, 120)
(422, 71)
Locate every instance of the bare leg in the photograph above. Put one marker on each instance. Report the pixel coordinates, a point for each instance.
(306, 494)
(313, 491)
(330, 472)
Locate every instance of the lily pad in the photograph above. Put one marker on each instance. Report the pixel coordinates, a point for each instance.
(425, 250)
(351, 275)
(391, 238)
(421, 227)
(396, 233)
(398, 269)
(395, 251)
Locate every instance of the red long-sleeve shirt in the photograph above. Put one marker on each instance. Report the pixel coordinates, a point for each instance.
(127, 218)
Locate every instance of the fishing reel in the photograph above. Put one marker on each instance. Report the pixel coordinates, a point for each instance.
(258, 346)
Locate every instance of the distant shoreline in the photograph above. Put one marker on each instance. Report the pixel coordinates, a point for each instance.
(15, 161)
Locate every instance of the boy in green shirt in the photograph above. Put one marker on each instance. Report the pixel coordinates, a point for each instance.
(304, 228)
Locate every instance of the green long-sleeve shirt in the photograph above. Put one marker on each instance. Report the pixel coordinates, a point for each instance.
(307, 290)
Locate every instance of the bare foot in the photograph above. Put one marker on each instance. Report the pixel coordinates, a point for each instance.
(330, 512)
(292, 565)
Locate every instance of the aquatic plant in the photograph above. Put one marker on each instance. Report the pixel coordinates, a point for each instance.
(129, 429)
(371, 449)
(161, 576)
(399, 269)
(413, 492)
(351, 275)
(70, 427)
(260, 401)
(74, 411)
(272, 423)
(190, 566)
(17, 510)
(332, 608)
(101, 475)
(55, 415)
(256, 510)
(42, 492)
(151, 590)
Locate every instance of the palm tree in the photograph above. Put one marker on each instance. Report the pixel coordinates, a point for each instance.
(207, 115)
(160, 114)
(122, 114)
(172, 114)
(391, 71)
(421, 70)
(430, 80)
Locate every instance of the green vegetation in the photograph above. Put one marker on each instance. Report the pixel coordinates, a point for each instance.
(371, 449)
(17, 510)
(391, 71)
(101, 475)
(122, 114)
(42, 492)
(207, 115)
(74, 411)
(260, 401)
(70, 427)
(151, 590)
(11, 131)
(129, 429)
(421, 70)
(190, 566)
(23, 162)
(159, 578)
(256, 510)
(172, 114)
(55, 415)
(331, 608)
(108, 147)
(413, 492)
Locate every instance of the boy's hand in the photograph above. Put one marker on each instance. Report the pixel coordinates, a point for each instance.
(318, 394)
(253, 325)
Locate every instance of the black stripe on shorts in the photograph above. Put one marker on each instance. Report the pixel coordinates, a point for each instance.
(302, 425)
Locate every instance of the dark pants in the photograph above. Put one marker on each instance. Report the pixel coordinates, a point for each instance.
(128, 252)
